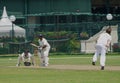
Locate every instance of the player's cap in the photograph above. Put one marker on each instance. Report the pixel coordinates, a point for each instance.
(40, 35)
(26, 51)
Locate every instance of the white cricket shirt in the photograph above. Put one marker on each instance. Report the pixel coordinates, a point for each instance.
(43, 42)
(103, 38)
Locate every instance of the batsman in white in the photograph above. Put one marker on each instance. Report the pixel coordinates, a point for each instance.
(43, 50)
(102, 45)
(26, 56)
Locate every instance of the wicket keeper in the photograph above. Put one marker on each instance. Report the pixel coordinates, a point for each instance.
(26, 57)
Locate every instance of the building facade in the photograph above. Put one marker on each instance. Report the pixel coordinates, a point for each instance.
(69, 15)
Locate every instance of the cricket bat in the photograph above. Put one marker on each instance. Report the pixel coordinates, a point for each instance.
(34, 45)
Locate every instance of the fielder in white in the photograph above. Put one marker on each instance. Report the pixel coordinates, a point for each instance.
(43, 50)
(102, 45)
(26, 56)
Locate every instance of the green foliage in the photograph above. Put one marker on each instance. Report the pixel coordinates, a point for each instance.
(8, 39)
(7, 48)
(84, 35)
(3, 50)
(55, 35)
(72, 43)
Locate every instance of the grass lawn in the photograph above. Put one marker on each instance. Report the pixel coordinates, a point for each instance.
(11, 74)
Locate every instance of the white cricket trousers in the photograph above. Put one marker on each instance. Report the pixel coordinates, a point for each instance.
(100, 50)
(44, 59)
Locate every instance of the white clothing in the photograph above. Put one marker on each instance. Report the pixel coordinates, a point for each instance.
(44, 52)
(103, 39)
(24, 58)
(100, 50)
(27, 57)
(102, 44)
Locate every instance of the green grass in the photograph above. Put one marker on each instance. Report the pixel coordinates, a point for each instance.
(10, 74)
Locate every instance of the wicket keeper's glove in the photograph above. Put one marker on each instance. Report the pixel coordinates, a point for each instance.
(27, 63)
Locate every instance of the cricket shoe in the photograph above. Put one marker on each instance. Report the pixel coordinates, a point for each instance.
(17, 65)
(93, 63)
(102, 67)
(46, 65)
